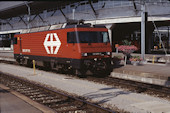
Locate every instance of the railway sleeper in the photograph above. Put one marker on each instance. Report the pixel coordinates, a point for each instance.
(70, 106)
(39, 99)
(30, 91)
(54, 104)
(38, 96)
(47, 101)
(58, 101)
(14, 84)
(45, 98)
(66, 109)
(72, 110)
(79, 111)
(25, 89)
(13, 87)
(31, 94)
(27, 92)
(7, 82)
(65, 104)
(20, 87)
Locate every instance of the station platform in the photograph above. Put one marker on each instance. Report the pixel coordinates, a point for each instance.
(156, 70)
(13, 102)
(158, 74)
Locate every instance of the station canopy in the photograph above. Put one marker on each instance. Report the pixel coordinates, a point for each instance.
(35, 6)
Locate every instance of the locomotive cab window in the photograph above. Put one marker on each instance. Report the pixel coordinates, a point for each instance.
(71, 37)
(15, 40)
(93, 37)
(105, 37)
(88, 37)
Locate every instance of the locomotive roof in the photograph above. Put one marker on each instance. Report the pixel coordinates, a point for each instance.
(60, 26)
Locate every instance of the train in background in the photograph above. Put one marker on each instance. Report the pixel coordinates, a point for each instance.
(80, 47)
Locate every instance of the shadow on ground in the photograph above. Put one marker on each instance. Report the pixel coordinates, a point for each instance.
(105, 94)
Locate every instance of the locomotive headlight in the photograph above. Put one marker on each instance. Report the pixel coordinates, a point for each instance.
(107, 53)
(84, 54)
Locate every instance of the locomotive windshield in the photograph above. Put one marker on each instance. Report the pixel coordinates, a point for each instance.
(93, 37)
(88, 37)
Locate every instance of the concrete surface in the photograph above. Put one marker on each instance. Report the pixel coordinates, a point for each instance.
(6, 54)
(14, 102)
(9, 103)
(148, 73)
(105, 95)
(153, 107)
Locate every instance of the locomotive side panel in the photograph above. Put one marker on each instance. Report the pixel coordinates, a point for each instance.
(48, 44)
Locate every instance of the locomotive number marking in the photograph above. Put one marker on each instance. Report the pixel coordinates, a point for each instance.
(26, 50)
(52, 43)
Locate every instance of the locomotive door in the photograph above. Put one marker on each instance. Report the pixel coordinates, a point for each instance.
(72, 42)
(20, 44)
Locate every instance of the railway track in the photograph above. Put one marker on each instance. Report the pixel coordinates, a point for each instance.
(134, 86)
(59, 102)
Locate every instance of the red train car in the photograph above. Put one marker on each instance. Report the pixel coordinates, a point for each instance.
(78, 47)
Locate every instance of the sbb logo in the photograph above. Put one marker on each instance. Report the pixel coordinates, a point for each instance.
(52, 43)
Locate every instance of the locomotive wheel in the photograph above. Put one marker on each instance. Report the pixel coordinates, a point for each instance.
(18, 61)
(21, 62)
(29, 63)
(102, 72)
(80, 73)
(64, 69)
(47, 65)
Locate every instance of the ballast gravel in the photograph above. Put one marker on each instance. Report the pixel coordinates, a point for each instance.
(103, 94)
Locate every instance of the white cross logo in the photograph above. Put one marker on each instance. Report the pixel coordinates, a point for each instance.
(54, 43)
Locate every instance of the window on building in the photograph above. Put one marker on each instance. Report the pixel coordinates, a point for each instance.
(5, 40)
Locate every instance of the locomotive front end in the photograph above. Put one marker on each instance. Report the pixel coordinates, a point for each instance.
(95, 50)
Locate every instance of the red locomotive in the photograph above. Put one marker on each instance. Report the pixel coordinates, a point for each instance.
(78, 47)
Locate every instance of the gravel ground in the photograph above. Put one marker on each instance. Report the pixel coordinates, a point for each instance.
(105, 95)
